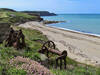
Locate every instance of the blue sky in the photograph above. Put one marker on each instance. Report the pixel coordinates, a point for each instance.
(56, 6)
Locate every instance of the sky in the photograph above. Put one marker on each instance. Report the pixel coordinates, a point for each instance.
(56, 6)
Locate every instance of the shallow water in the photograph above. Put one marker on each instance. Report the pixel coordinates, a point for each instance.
(87, 23)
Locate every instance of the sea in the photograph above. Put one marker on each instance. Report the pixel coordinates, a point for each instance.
(84, 23)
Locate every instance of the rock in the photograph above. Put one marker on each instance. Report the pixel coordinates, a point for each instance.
(4, 29)
(50, 22)
(70, 67)
(12, 15)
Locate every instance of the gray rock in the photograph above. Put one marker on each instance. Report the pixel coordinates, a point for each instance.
(4, 30)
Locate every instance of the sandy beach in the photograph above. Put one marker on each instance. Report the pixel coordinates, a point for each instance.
(81, 47)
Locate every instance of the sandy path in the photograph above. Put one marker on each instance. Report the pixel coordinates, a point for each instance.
(81, 47)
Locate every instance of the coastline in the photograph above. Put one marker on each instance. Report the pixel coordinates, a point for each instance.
(75, 31)
(81, 47)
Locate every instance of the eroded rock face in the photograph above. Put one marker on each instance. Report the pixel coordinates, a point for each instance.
(4, 30)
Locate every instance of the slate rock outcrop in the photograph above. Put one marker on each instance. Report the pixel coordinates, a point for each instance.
(4, 30)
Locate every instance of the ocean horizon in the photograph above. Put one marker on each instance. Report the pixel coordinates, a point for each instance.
(84, 23)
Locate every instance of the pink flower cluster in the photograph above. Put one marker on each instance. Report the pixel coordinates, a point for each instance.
(31, 66)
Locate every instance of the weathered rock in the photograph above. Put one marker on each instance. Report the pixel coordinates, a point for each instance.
(51, 22)
(4, 30)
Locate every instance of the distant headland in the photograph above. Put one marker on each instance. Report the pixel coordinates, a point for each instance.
(39, 13)
(18, 17)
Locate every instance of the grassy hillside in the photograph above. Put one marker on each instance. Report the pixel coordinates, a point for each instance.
(31, 51)
(6, 9)
(16, 17)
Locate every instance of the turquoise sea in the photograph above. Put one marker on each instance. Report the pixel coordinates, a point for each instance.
(87, 23)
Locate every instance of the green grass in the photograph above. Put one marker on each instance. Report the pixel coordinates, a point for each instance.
(31, 51)
(15, 17)
(3, 14)
(7, 70)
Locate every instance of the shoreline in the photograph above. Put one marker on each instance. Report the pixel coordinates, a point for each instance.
(81, 47)
(75, 31)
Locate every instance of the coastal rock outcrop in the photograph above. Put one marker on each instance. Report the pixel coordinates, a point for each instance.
(50, 22)
(4, 30)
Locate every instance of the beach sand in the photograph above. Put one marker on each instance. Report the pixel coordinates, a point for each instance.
(81, 47)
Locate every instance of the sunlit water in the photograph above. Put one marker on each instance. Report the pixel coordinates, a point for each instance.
(87, 23)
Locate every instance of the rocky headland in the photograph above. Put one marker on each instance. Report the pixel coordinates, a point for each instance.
(40, 13)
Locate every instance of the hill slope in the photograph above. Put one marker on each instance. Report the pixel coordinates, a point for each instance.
(12, 17)
(31, 51)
